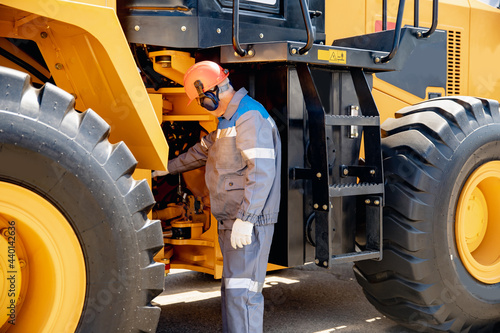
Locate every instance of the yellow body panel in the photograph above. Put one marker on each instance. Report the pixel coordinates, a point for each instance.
(339, 24)
(390, 99)
(484, 51)
(89, 56)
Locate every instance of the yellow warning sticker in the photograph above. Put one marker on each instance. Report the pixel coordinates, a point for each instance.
(335, 56)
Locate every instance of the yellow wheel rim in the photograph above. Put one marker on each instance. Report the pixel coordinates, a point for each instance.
(477, 224)
(47, 270)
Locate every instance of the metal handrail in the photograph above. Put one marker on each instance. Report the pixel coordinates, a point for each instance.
(416, 12)
(309, 29)
(397, 33)
(435, 6)
(384, 15)
(236, 27)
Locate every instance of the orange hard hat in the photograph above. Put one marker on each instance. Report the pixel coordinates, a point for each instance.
(208, 72)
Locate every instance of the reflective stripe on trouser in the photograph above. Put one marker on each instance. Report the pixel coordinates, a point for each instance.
(242, 280)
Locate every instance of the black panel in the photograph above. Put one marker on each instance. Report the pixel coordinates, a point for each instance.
(208, 23)
(426, 67)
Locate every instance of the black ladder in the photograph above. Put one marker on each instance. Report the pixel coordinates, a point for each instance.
(369, 190)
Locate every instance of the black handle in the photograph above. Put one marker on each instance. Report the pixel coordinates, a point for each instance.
(236, 27)
(435, 6)
(309, 29)
(397, 33)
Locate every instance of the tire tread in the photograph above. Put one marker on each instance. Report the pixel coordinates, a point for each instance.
(54, 108)
(417, 147)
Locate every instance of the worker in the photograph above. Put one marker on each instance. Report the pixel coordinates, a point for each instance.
(242, 159)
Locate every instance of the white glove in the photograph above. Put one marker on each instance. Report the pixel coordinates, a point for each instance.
(157, 173)
(241, 234)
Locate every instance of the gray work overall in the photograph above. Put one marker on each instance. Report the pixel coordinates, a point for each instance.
(242, 281)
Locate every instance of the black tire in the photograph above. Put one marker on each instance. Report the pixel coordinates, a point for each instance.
(430, 151)
(65, 157)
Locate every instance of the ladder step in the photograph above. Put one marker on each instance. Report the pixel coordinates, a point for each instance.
(340, 190)
(336, 120)
(356, 256)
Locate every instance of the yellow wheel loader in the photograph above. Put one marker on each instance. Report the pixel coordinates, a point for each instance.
(390, 126)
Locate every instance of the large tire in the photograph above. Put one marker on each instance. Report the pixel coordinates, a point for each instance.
(84, 244)
(441, 262)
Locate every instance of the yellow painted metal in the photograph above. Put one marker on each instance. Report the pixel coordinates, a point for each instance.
(187, 117)
(201, 254)
(344, 19)
(104, 3)
(484, 51)
(274, 267)
(172, 64)
(52, 291)
(477, 223)
(390, 99)
(179, 110)
(171, 212)
(140, 174)
(157, 101)
(352, 18)
(88, 55)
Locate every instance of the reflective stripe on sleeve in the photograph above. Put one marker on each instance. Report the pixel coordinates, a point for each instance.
(258, 153)
(203, 143)
(243, 283)
(226, 132)
(271, 121)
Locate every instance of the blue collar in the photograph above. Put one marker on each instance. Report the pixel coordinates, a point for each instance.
(234, 103)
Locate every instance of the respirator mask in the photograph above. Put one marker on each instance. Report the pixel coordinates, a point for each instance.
(209, 99)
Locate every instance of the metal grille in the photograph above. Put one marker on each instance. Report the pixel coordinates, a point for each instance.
(454, 62)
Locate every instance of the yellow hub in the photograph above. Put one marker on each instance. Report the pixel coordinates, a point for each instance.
(42, 268)
(477, 223)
